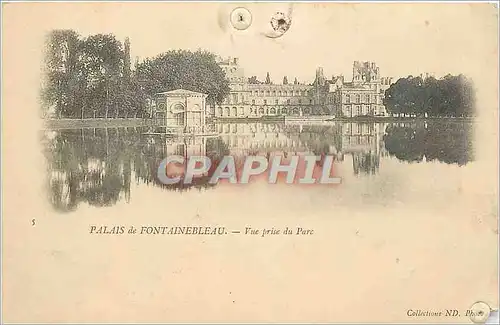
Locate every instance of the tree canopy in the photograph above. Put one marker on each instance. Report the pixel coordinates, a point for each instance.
(88, 77)
(448, 96)
(196, 71)
(91, 76)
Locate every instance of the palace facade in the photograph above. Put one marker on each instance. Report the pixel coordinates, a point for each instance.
(362, 96)
(247, 100)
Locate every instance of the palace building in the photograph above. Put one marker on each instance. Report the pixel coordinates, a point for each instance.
(248, 100)
(362, 96)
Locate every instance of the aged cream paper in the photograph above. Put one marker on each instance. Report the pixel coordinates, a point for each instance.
(399, 240)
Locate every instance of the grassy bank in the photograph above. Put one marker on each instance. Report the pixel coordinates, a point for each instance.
(93, 123)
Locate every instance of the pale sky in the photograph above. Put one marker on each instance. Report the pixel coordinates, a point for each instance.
(402, 39)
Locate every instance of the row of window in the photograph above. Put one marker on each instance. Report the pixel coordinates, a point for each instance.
(366, 77)
(354, 98)
(273, 111)
(358, 110)
(288, 101)
(262, 93)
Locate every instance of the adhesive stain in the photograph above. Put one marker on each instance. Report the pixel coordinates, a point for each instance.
(280, 23)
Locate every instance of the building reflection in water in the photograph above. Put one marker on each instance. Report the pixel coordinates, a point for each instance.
(362, 141)
(97, 166)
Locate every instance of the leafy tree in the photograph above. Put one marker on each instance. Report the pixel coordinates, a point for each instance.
(61, 87)
(196, 71)
(89, 77)
(102, 60)
(448, 96)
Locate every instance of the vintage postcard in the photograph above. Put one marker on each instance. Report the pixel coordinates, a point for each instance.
(211, 162)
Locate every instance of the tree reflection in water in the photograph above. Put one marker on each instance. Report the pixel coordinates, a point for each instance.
(450, 142)
(97, 166)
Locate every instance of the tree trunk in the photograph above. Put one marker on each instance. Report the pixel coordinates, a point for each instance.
(107, 97)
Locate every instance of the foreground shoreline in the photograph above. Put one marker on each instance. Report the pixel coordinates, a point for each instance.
(139, 122)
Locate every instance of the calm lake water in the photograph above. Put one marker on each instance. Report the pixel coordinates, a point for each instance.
(416, 212)
(379, 163)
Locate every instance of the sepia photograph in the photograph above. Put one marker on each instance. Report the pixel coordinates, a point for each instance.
(245, 162)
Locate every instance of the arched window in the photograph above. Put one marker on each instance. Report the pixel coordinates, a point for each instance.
(227, 111)
(348, 99)
(273, 110)
(261, 111)
(235, 111)
(283, 111)
(358, 98)
(177, 108)
(220, 111)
